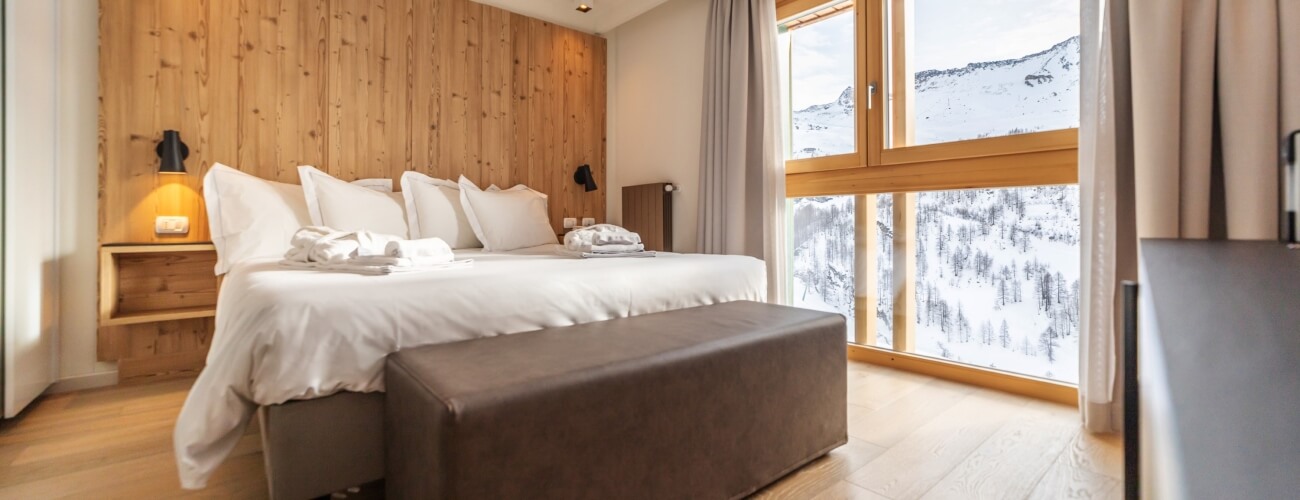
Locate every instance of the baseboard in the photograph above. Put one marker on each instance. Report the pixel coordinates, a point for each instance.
(83, 382)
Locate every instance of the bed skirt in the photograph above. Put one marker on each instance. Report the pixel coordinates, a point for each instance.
(318, 446)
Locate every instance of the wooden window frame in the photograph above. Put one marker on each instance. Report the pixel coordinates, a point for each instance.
(1033, 159)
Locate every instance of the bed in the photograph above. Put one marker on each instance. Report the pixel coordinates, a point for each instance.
(287, 335)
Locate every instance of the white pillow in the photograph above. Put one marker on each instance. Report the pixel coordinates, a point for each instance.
(250, 217)
(351, 207)
(506, 220)
(433, 210)
(381, 185)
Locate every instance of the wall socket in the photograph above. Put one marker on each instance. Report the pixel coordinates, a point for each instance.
(588, 221)
(171, 224)
(569, 222)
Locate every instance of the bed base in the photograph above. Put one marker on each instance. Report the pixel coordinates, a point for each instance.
(318, 446)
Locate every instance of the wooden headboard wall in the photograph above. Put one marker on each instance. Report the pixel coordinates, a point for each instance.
(358, 88)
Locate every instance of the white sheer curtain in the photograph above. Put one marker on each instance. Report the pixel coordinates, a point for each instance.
(742, 177)
(1184, 103)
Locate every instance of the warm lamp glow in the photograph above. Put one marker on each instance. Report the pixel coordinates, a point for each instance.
(584, 8)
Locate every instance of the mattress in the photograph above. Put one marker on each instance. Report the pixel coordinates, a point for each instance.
(285, 334)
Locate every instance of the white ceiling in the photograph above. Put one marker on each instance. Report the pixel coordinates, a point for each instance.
(605, 15)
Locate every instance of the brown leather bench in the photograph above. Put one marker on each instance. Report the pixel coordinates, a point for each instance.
(709, 402)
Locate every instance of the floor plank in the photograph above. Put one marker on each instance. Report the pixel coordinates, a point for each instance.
(824, 472)
(910, 468)
(845, 490)
(909, 435)
(1065, 482)
(1010, 463)
(891, 423)
(1100, 454)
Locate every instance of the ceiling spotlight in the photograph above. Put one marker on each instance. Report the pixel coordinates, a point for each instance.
(584, 7)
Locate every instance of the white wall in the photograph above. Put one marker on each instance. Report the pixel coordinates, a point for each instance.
(30, 235)
(656, 92)
(52, 197)
(78, 196)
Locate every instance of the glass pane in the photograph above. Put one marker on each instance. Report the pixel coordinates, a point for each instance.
(968, 69)
(824, 261)
(823, 255)
(885, 266)
(997, 279)
(820, 65)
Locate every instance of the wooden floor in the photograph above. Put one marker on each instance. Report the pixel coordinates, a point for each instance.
(911, 436)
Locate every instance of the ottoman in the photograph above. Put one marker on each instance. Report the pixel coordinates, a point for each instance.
(707, 402)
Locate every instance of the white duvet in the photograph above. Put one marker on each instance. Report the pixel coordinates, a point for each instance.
(287, 334)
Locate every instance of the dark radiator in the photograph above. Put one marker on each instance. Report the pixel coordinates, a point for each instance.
(648, 211)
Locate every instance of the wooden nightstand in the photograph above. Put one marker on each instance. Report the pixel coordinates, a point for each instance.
(157, 304)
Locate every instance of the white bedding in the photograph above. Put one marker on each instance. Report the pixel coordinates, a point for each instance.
(298, 334)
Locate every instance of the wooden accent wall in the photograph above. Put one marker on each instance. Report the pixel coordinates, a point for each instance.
(358, 88)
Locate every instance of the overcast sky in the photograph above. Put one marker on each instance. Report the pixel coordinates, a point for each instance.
(949, 34)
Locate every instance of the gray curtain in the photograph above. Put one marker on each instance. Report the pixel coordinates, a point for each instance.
(742, 178)
(1184, 103)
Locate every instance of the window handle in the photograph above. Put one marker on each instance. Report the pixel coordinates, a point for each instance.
(871, 94)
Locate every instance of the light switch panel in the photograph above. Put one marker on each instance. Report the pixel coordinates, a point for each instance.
(569, 222)
(171, 224)
(588, 221)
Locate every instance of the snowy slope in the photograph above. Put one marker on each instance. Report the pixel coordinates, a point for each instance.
(824, 129)
(1033, 93)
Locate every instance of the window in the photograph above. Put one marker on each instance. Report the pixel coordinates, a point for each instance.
(826, 272)
(960, 204)
(820, 72)
(996, 279)
(821, 80)
(962, 69)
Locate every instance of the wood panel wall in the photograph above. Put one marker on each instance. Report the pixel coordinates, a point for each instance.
(358, 88)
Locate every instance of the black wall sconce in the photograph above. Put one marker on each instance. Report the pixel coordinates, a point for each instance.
(173, 153)
(585, 178)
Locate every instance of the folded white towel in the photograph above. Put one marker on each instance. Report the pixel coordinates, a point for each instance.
(604, 255)
(588, 238)
(350, 266)
(627, 248)
(427, 247)
(383, 260)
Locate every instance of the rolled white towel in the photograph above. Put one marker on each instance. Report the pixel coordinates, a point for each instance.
(615, 238)
(371, 243)
(335, 250)
(322, 244)
(584, 239)
(427, 247)
(401, 262)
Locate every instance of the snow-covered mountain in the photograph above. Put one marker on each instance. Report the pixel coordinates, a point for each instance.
(997, 278)
(825, 129)
(1036, 92)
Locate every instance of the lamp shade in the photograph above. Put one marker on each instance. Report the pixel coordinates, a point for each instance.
(172, 152)
(584, 177)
